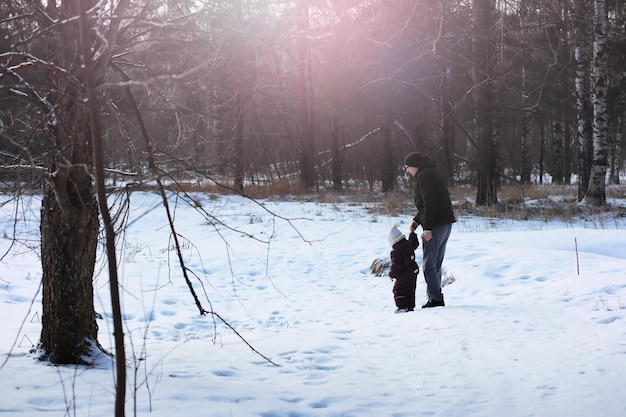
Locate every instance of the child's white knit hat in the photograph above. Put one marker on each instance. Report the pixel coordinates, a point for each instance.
(394, 235)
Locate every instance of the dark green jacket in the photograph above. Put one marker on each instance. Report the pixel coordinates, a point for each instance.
(432, 198)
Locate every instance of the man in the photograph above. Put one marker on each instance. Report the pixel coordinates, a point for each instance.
(435, 215)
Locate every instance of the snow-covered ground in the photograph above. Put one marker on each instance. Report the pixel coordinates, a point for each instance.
(534, 323)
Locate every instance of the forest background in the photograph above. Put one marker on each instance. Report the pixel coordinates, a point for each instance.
(323, 93)
(282, 97)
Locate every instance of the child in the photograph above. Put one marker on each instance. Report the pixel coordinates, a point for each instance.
(403, 268)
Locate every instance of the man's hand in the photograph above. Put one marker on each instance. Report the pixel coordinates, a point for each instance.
(413, 226)
(427, 235)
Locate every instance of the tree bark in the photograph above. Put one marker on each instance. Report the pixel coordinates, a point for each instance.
(525, 139)
(616, 144)
(307, 155)
(238, 132)
(93, 110)
(69, 213)
(596, 193)
(69, 231)
(583, 100)
(238, 161)
(556, 142)
(337, 160)
(483, 85)
(446, 124)
(386, 155)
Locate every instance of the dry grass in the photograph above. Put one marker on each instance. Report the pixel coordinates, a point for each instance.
(516, 202)
(545, 202)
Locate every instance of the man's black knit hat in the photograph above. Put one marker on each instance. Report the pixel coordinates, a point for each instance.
(414, 159)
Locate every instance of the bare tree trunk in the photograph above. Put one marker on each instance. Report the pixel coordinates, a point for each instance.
(567, 150)
(583, 102)
(556, 142)
(237, 159)
(483, 85)
(238, 174)
(563, 55)
(98, 162)
(542, 148)
(596, 193)
(69, 230)
(69, 214)
(617, 160)
(446, 122)
(307, 156)
(525, 168)
(526, 131)
(446, 125)
(335, 154)
(386, 155)
(616, 146)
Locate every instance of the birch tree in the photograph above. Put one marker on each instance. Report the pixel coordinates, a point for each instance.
(596, 193)
(583, 96)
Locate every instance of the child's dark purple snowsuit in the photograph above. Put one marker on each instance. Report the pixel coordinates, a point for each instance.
(404, 270)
